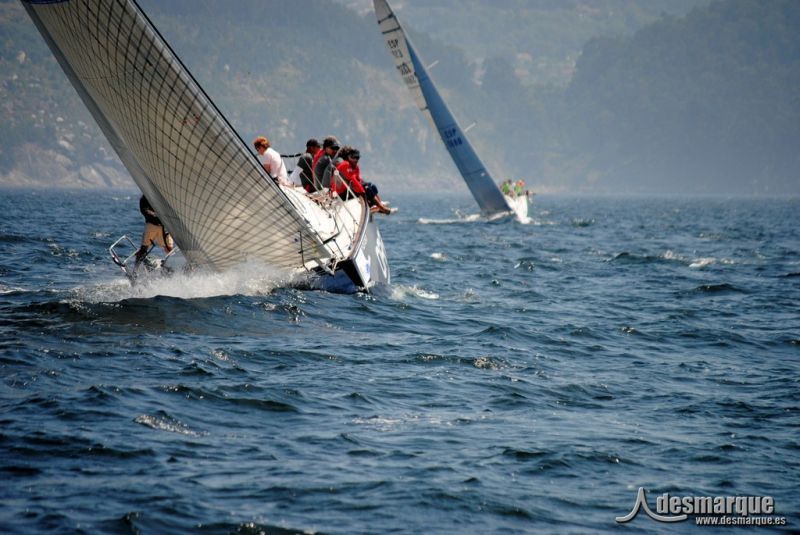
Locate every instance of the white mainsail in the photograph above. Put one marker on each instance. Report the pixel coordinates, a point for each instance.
(478, 179)
(199, 175)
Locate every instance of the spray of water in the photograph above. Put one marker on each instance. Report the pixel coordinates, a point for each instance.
(245, 279)
(470, 218)
(401, 292)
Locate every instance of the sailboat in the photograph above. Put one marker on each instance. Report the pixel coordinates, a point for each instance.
(492, 202)
(210, 191)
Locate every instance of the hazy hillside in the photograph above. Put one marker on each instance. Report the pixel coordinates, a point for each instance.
(47, 136)
(708, 103)
(691, 103)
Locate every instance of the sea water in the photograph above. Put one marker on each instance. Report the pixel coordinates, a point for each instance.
(513, 378)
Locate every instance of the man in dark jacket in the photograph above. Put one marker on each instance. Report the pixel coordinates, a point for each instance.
(324, 159)
(305, 164)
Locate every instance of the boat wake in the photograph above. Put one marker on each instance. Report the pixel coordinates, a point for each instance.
(458, 220)
(461, 219)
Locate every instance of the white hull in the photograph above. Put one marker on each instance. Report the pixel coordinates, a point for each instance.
(354, 246)
(519, 205)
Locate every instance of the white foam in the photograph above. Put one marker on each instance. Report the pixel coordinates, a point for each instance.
(702, 262)
(486, 363)
(164, 424)
(377, 421)
(9, 289)
(475, 218)
(400, 292)
(669, 255)
(247, 279)
(469, 218)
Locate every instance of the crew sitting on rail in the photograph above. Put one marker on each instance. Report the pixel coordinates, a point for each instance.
(324, 162)
(349, 174)
(305, 168)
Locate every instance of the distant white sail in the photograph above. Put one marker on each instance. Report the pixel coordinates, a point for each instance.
(200, 176)
(477, 177)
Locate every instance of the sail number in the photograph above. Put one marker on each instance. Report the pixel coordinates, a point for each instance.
(394, 48)
(451, 137)
(408, 74)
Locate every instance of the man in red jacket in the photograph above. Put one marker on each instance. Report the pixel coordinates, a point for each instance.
(351, 175)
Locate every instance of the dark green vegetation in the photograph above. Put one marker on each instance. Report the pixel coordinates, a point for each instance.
(663, 98)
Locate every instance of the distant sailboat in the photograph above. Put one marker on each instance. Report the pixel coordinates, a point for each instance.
(484, 189)
(210, 191)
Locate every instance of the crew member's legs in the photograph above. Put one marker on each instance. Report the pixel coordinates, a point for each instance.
(153, 235)
(373, 199)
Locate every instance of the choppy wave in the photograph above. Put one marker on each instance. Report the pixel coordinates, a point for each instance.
(670, 257)
(717, 288)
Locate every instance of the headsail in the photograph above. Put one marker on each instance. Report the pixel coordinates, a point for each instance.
(480, 182)
(199, 175)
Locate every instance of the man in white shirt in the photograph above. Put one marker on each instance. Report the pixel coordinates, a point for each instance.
(272, 161)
